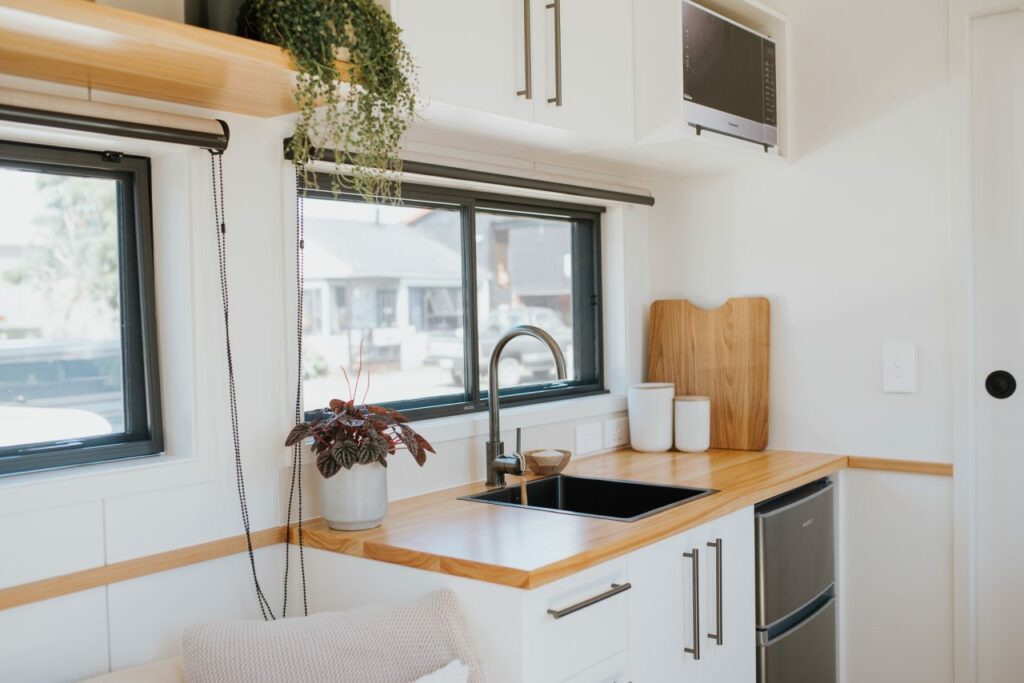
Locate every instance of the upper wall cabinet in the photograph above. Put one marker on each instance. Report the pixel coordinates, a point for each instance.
(567, 64)
(470, 52)
(586, 74)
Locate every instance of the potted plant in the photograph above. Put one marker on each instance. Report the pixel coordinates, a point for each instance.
(352, 443)
(364, 127)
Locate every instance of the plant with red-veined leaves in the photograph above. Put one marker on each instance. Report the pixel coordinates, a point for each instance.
(346, 434)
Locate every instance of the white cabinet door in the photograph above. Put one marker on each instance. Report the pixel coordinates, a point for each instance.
(593, 61)
(471, 53)
(733, 657)
(661, 604)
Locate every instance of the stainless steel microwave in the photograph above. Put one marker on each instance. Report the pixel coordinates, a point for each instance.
(728, 77)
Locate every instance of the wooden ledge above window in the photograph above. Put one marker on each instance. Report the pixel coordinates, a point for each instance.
(84, 44)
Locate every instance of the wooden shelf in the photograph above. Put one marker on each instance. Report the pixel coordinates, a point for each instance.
(84, 44)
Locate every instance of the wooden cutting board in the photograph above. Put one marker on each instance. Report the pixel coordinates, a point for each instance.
(721, 353)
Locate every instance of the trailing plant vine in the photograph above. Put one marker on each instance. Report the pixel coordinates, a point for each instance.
(366, 128)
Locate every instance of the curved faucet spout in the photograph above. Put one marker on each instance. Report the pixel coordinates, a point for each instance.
(498, 464)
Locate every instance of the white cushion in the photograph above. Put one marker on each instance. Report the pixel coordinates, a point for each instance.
(368, 645)
(163, 671)
(455, 672)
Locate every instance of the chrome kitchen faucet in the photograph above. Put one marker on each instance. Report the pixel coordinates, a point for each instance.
(498, 463)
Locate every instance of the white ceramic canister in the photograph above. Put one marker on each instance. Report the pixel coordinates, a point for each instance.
(693, 423)
(650, 416)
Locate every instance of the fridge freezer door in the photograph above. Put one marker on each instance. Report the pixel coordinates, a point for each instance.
(805, 653)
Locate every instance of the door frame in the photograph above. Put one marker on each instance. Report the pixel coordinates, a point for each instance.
(963, 334)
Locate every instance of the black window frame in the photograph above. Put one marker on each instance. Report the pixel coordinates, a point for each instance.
(588, 329)
(140, 377)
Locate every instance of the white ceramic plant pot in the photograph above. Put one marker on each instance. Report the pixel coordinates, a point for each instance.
(650, 416)
(355, 499)
(693, 423)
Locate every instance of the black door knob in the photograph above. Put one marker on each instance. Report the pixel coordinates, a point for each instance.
(1000, 384)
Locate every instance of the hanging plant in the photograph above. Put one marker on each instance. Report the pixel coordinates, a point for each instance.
(366, 128)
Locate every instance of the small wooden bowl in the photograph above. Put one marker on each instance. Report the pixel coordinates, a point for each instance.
(545, 461)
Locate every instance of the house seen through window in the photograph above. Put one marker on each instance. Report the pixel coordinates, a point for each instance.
(392, 282)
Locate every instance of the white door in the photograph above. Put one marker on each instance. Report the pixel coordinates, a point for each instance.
(471, 53)
(661, 610)
(591, 60)
(998, 201)
(733, 656)
(657, 617)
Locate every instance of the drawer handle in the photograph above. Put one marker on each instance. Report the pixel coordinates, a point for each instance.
(694, 556)
(583, 604)
(717, 545)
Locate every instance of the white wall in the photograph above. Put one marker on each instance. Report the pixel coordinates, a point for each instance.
(850, 242)
(60, 522)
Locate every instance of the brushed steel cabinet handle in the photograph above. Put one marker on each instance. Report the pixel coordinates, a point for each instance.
(557, 6)
(583, 604)
(695, 561)
(527, 92)
(717, 545)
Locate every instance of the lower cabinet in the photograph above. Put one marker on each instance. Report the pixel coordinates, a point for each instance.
(572, 626)
(649, 616)
(691, 607)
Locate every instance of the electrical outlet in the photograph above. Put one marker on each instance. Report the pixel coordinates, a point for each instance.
(616, 432)
(589, 438)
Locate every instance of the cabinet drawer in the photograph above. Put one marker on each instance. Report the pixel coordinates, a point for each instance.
(612, 670)
(560, 648)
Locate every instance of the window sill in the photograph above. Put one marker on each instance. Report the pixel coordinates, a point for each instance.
(442, 429)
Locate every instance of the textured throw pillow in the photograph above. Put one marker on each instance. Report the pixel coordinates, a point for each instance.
(376, 644)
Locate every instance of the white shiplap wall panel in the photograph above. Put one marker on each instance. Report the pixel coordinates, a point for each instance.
(64, 639)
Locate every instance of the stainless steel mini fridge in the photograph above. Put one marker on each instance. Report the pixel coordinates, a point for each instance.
(796, 594)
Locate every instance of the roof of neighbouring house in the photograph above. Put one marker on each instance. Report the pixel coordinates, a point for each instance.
(345, 249)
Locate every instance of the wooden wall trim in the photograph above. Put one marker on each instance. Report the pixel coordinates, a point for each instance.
(942, 469)
(94, 577)
(46, 589)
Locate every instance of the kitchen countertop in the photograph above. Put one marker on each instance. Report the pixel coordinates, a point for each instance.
(529, 548)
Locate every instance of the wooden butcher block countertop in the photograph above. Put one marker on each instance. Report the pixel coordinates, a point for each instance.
(529, 548)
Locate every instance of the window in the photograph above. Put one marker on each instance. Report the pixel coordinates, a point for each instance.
(312, 311)
(435, 309)
(429, 286)
(387, 302)
(339, 318)
(78, 366)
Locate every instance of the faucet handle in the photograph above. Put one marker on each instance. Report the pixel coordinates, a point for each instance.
(518, 453)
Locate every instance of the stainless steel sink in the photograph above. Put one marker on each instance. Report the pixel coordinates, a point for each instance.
(623, 501)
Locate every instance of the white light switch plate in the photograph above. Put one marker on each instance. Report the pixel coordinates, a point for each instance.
(899, 368)
(589, 438)
(616, 432)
